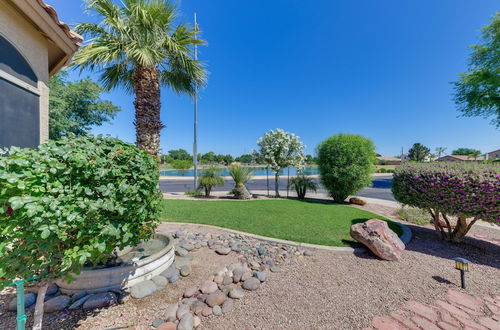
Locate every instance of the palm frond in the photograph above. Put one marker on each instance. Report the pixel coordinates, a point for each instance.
(240, 174)
(140, 33)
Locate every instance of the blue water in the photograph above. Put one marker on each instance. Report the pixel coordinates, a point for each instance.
(225, 172)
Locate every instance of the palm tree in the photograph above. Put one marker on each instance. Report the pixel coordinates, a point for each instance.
(241, 175)
(474, 154)
(209, 179)
(302, 183)
(440, 151)
(140, 47)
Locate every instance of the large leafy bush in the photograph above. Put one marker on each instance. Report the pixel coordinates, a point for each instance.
(445, 189)
(72, 202)
(345, 163)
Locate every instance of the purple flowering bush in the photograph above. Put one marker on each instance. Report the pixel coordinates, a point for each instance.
(465, 191)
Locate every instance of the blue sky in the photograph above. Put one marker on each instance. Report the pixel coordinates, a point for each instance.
(316, 68)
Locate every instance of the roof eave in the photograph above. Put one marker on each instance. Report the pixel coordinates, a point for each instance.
(44, 17)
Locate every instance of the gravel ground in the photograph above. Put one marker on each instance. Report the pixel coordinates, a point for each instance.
(331, 291)
(326, 291)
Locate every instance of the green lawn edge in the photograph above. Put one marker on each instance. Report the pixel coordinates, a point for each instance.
(314, 222)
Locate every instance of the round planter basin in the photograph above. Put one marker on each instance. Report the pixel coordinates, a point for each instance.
(124, 276)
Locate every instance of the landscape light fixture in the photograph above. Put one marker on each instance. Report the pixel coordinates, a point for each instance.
(463, 266)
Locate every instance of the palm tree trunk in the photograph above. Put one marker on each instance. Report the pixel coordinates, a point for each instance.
(147, 109)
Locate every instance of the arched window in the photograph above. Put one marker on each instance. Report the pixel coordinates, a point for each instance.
(19, 99)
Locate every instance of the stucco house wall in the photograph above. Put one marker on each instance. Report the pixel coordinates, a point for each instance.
(45, 43)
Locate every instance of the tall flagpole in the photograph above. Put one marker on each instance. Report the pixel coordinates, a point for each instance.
(195, 144)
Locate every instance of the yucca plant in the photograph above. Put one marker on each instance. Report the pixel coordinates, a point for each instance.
(209, 179)
(241, 175)
(302, 183)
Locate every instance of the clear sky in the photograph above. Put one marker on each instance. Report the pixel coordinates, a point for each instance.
(378, 68)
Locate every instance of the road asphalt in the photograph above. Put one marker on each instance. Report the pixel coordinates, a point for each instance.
(380, 189)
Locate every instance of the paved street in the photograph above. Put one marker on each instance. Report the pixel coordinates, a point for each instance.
(381, 188)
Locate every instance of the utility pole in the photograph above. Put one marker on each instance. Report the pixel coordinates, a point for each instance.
(195, 143)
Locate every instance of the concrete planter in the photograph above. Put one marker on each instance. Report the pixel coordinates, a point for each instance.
(122, 277)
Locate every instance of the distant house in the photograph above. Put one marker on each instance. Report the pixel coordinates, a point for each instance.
(459, 158)
(34, 45)
(494, 155)
(388, 160)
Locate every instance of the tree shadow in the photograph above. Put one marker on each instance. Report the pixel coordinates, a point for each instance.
(477, 251)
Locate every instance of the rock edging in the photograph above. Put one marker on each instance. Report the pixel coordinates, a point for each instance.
(405, 237)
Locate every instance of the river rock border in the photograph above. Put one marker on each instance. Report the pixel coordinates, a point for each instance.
(405, 238)
(219, 293)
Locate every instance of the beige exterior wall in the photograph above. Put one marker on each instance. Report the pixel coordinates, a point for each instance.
(34, 47)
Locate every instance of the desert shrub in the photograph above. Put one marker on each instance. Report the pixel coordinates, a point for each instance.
(302, 183)
(241, 175)
(414, 215)
(193, 192)
(210, 178)
(460, 189)
(73, 201)
(345, 163)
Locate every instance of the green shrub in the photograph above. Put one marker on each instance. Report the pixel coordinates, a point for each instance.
(240, 174)
(73, 201)
(210, 178)
(194, 192)
(345, 163)
(302, 183)
(414, 215)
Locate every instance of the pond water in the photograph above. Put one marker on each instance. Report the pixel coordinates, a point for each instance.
(257, 171)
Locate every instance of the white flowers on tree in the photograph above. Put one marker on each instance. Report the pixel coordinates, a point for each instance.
(280, 150)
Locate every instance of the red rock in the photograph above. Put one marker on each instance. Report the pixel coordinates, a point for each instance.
(215, 299)
(377, 236)
(206, 311)
(489, 323)
(447, 326)
(463, 299)
(423, 310)
(424, 323)
(357, 201)
(386, 323)
(167, 326)
(452, 309)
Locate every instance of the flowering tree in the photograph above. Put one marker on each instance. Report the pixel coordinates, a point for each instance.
(468, 192)
(280, 149)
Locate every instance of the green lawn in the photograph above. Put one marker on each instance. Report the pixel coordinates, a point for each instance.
(301, 221)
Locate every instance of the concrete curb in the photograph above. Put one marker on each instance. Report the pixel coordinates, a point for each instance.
(405, 237)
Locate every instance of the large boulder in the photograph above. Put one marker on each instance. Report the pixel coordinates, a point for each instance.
(377, 236)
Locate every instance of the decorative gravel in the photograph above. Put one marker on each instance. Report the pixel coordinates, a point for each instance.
(328, 291)
(322, 291)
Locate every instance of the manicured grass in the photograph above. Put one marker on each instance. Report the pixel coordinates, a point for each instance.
(301, 221)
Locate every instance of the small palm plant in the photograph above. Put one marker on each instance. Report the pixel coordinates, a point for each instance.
(209, 179)
(475, 154)
(241, 175)
(302, 183)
